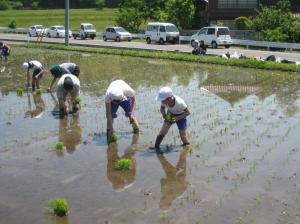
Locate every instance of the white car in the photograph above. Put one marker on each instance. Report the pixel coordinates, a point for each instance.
(117, 34)
(36, 30)
(213, 36)
(161, 32)
(57, 31)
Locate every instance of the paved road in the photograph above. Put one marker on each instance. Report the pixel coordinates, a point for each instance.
(294, 56)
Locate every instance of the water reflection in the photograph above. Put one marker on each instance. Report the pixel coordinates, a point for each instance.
(174, 184)
(70, 132)
(121, 180)
(39, 105)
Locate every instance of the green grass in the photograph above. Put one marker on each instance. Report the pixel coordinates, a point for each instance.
(59, 206)
(123, 164)
(178, 56)
(27, 18)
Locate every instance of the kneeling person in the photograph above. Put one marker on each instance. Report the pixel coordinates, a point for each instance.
(119, 93)
(68, 84)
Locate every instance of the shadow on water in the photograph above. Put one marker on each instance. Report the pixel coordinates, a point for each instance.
(175, 183)
(121, 180)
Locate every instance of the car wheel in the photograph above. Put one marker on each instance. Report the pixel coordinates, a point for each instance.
(129, 40)
(148, 40)
(29, 34)
(118, 39)
(82, 37)
(227, 46)
(48, 35)
(57, 35)
(104, 38)
(74, 37)
(92, 37)
(214, 45)
(161, 41)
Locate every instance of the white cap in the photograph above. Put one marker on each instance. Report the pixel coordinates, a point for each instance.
(25, 65)
(164, 93)
(116, 94)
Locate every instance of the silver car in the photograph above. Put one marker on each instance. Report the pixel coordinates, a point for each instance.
(116, 34)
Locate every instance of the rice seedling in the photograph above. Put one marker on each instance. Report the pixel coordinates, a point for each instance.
(38, 91)
(59, 146)
(113, 138)
(123, 164)
(19, 91)
(59, 206)
(78, 100)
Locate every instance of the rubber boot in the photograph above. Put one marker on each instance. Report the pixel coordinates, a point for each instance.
(158, 140)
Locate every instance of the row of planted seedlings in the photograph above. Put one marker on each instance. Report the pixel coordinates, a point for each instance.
(227, 128)
(266, 190)
(233, 132)
(252, 168)
(220, 202)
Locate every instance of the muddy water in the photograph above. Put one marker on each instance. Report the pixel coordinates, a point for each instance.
(243, 165)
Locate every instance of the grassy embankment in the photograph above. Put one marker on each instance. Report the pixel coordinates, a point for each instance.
(245, 63)
(27, 18)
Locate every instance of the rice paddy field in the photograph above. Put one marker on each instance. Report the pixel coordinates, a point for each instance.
(243, 165)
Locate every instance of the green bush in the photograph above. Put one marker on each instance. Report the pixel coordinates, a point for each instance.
(12, 25)
(59, 206)
(3, 5)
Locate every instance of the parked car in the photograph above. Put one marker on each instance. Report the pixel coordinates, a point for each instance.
(57, 31)
(116, 33)
(36, 30)
(161, 32)
(87, 30)
(213, 36)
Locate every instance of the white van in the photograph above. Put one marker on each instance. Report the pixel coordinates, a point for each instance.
(161, 32)
(213, 36)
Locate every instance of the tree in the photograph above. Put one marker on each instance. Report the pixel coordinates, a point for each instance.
(243, 23)
(3, 5)
(180, 12)
(276, 22)
(131, 16)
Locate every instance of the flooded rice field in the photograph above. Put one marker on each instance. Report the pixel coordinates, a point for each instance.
(243, 165)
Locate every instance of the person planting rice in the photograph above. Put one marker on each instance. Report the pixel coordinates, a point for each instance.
(65, 68)
(37, 74)
(119, 93)
(4, 51)
(68, 84)
(173, 110)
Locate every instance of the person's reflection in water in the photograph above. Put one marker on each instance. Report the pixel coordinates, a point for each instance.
(39, 106)
(121, 180)
(174, 184)
(70, 132)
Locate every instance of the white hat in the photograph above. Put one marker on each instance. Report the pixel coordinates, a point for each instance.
(164, 93)
(116, 94)
(25, 65)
